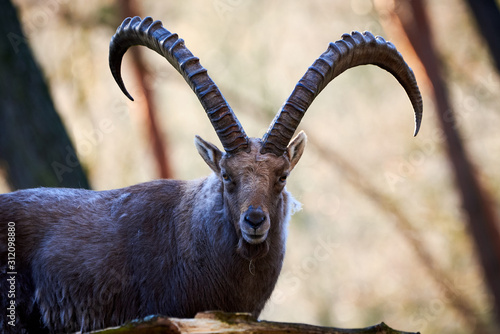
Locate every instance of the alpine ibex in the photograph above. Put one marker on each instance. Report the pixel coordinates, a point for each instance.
(89, 259)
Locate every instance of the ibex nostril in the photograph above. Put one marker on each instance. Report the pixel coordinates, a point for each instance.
(255, 217)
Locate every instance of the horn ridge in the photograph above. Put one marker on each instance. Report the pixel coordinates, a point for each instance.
(351, 50)
(152, 34)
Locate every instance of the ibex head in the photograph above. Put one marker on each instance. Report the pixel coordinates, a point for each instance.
(253, 171)
(253, 183)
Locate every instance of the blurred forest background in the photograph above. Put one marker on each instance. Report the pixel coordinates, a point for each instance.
(393, 228)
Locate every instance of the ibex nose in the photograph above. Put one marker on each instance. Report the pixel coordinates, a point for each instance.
(255, 217)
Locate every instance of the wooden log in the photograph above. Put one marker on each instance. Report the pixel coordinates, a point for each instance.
(221, 322)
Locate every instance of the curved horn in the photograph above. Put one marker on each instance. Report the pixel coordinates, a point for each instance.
(352, 50)
(134, 31)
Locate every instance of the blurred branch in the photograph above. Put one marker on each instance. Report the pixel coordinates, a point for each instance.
(390, 206)
(409, 19)
(487, 17)
(158, 145)
(404, 226)
(221, 322)
(35, 148)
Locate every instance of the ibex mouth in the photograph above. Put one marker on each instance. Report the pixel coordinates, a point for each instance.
(254, 239)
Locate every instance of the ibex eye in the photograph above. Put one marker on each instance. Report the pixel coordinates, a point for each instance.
(225, 177)
(283, 178)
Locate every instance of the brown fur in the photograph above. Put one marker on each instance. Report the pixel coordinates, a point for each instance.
(90, 259)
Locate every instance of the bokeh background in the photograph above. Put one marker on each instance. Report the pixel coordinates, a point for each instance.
(382, 235)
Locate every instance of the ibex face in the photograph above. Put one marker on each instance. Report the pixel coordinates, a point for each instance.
(253, 183)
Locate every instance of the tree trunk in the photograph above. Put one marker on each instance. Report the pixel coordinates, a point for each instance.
(159, 147)
(487, 17)
(35, 149)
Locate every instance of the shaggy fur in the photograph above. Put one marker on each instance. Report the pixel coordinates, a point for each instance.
(90, 259)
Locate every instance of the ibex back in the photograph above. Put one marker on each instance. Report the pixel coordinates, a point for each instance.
(90, 259)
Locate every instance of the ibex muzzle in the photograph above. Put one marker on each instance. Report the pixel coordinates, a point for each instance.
(254, 224)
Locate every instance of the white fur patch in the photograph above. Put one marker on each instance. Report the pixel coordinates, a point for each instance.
(295, 206)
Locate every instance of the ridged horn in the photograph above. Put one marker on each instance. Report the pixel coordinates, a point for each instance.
(149, 33)
(352, 50)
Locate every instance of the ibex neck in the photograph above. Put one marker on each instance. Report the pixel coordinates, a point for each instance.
(248, 283)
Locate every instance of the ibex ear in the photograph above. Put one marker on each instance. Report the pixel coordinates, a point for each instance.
(296, 148)
(209, 152)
